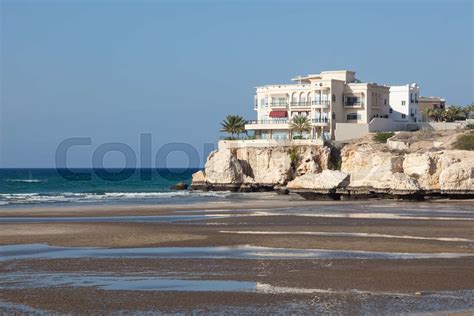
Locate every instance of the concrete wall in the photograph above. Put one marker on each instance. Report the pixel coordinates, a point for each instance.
(378, 124)
(348, 131)
(438, 126)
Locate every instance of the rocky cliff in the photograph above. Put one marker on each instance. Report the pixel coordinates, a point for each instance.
(400, 168)
(258, 169)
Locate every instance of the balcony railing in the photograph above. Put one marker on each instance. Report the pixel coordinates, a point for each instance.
(300, 103)
(354, 103)
(320, 102)
(279, 104)
(320, 120)
(274, 121)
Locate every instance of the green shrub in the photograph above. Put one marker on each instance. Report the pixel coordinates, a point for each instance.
(465, 142)
(470, 126)
(298, 137)
(381, 137)
(293, 156)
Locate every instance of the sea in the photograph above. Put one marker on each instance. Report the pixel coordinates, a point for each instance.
(40, 187)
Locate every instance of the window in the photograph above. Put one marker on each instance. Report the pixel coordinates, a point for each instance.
(384, 101)
(403, 103)
(403, 116)
(353, 101)
(333, 115)
(353, 117)
(333, 98)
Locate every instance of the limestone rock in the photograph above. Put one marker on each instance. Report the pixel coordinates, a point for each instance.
(312, 159)
(223, 168)
(199, 177)
(457, 177)
(369, 167)
(418, 164)
(398, 182)
(326, 180)
(274, 165)
(398, 144)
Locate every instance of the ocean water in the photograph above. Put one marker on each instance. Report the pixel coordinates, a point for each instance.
(20, 187)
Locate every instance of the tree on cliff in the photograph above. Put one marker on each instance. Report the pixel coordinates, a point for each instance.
(300, 123)
(453, 113)
(233, 124)
(433, 114)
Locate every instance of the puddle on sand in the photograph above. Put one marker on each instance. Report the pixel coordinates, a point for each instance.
(113, 282)
(147, 282)
(343, 234)
(323, 301)
(353, 211)
(44, 251)
(112, 219)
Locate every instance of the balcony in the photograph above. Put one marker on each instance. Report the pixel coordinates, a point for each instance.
(278, 104)
(275, 121)
(320, 104)
(300, 103)
(353, 104)
(267, 124)
(323, 121)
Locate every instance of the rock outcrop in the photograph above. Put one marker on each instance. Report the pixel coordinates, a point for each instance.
(222, 167)
(326, 181)
(256, 168)
(375, 169)
(367, 169)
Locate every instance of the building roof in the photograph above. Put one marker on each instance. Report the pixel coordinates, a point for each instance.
(431, 99)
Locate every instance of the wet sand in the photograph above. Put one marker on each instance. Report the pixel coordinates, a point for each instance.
(285, 285)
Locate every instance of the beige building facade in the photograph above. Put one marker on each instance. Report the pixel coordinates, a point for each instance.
(326, 99)
(431, 103)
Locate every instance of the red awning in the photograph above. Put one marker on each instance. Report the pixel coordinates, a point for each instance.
(278, 114)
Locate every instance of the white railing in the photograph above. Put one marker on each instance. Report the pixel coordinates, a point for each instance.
(274, 121)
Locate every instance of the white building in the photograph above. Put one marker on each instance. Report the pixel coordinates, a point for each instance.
(327, 98)
(404, 103)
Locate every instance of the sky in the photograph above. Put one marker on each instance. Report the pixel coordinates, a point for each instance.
(110, 71)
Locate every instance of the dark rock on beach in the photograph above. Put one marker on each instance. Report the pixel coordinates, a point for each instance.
(179, 186)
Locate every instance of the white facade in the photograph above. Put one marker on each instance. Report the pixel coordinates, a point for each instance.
(326, 98)
(404, 103)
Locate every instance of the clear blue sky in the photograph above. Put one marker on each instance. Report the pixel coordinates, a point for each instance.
(111, 70)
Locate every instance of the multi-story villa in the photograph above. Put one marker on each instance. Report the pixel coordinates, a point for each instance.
(432, 103)
(404, 103)
(326, 99)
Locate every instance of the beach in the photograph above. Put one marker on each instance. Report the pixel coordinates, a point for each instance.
(247, 254)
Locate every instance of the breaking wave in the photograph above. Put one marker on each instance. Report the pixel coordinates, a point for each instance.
(26, 180)
(104, 197)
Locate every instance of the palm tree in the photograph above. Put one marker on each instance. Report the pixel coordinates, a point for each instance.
(300, 123)
(467, 111)
(437, 114)
(233, 124)
(452, 113)
(428, 114)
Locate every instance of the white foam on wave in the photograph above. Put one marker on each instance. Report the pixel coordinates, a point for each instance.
(26, 180)
(345, 234)
(32, 198)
